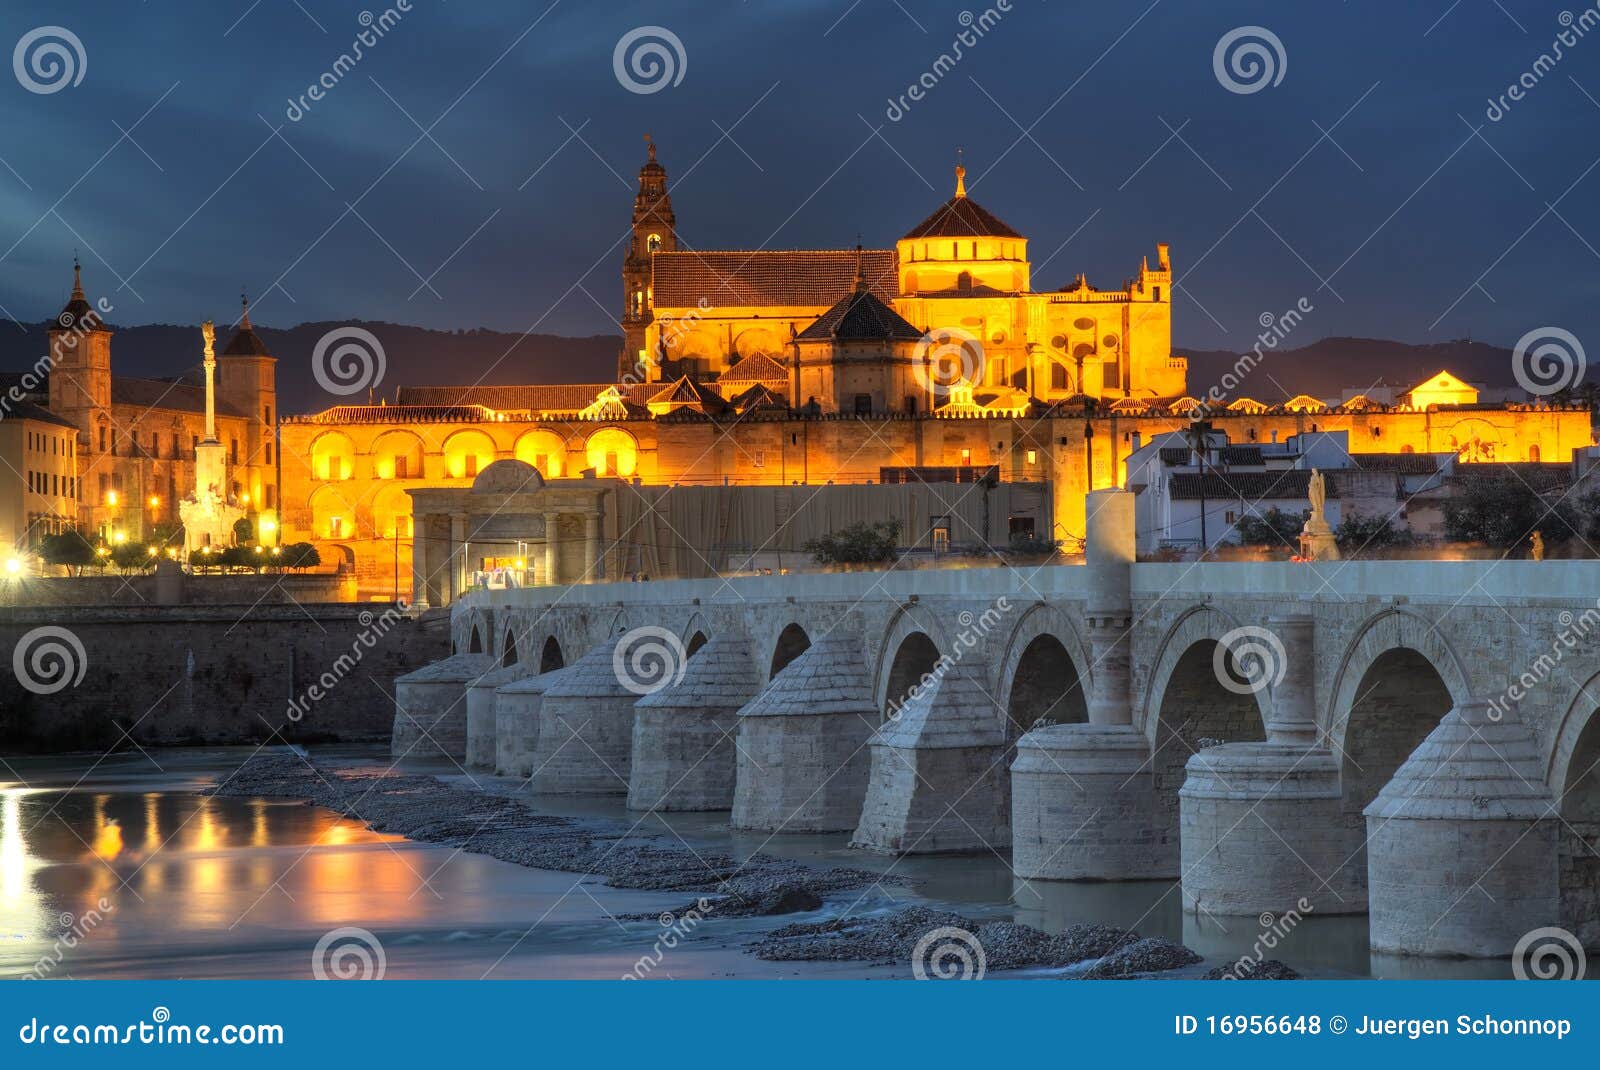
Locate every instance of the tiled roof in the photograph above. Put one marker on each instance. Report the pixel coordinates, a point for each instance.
(860, 317)
(760, 396)
(27, 410)
(1404, 463)
(1176, 455)
(1289, 485)
(170, 394)
(246, 343)
(759, 368)
(798, 277)
(686, 391)
(961, 217)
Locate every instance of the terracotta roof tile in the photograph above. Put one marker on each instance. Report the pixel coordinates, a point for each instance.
(798, 277)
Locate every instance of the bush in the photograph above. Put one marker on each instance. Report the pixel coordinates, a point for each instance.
(1357, 533)
(243, 530)
(1272, 528)
(858, 544)
(1504, 512)
(1028, 544)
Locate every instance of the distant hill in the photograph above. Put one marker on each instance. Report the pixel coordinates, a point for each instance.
(1327, 367)
(414, 356)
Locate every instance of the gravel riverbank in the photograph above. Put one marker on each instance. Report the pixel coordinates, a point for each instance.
(427, 810)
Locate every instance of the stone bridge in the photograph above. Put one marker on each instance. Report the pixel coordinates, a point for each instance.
(1412, 739)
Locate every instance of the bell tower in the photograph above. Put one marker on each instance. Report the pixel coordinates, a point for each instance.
(80, 363)
(654, 230)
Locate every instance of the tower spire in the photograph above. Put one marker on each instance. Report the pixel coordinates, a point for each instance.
(860, 285)
(244, 317)
(961, 175)
(77, 279)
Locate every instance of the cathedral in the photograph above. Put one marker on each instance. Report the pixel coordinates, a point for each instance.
(864, 331)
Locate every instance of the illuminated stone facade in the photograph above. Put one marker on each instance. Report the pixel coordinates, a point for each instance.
(136, 438)
(961, 274)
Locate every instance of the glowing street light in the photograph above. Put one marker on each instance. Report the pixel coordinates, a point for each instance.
(13, 565)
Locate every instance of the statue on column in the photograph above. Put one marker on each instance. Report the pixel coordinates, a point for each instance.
(1317, 542)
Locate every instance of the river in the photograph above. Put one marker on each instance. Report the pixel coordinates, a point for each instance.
(119, 867)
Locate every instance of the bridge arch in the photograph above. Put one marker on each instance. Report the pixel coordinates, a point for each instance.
(1573, 774)
(1188, 706)
(696, 634)
(1044, 672)
(1397, 679)
(913, 646)
(792, 641)
(551, 656)
(508, 646)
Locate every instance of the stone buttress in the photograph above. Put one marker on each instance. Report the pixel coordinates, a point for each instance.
(585, 744)
(430, 718)
(481, 716)
(1461, 844)
(1262, 825)
(683, 735)
(802, 757)
(516, 722)
(938, 780)
(1083, 795)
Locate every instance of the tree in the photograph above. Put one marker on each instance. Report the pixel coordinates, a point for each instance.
(1272, 528)
(1356, 533)
(298, 555)
(1505, 511)
(132, 557)
(243, 531)
(857, 544)
(68, 548)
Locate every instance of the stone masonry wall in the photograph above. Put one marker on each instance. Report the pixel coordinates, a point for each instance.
(207, 674)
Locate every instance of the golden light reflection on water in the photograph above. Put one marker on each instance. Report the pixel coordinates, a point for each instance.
(108, 840)
(14, 865)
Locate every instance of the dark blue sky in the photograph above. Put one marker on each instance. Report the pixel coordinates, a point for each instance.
(1402, 211)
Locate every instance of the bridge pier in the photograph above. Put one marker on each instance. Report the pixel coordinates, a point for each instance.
(1462, 858)
(683, 735)
(430, 717)
(585, 744)
(516, 722)
(1083, 795)
(481, 731)
(1262, 825)
(937, 783)
(802, 759)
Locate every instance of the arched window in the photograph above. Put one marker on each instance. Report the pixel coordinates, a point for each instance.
(1533, 454)
(964, 281)
(1058, 376)
(653, 243)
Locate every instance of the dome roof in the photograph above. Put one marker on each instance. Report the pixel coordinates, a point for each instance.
(537, 684)
(860, 317)
(456, 669)
(78, 313)
(593, 676)
(961, 217)
(245, 343)
(1474, 766)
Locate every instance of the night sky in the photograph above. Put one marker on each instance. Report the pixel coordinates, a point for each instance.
(1360, 181)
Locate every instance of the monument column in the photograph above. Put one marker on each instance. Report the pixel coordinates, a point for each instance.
(552, 560)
